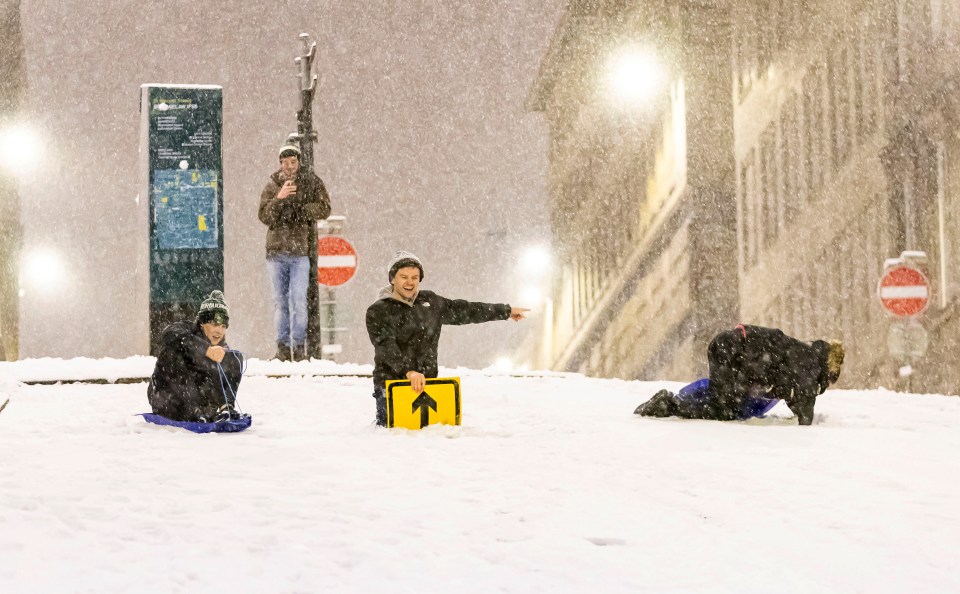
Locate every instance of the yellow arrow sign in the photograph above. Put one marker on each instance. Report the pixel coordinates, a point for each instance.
(438, 403)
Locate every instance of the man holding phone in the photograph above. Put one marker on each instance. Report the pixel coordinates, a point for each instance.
(290, 203)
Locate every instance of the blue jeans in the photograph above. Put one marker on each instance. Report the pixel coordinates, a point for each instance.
(290, 275)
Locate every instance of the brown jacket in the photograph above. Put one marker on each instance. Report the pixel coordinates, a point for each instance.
(288, 221)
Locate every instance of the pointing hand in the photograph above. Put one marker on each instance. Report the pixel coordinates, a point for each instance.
(518, 313)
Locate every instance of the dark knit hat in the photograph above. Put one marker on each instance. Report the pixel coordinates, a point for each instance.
(214, 310)
(290, 148)
(402, 259)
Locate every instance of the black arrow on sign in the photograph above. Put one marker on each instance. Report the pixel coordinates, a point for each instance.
(424, 402)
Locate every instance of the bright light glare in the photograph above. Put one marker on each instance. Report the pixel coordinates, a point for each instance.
(531, 297)
(535, 261)
(43, 270)
(20, 148)
(635, 75)
(503, 364)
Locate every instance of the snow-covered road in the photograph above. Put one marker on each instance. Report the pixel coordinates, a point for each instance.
(551, 485)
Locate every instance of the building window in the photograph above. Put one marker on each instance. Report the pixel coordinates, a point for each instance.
(942, 225)
(900, 47)
(829, 154)
(936, 18)
(768, 187)
(841, 92)
(765, 37)
(789, 160)
(805, 157)
(861, 85)
(746, 55)
(813, 95)
(750, 208)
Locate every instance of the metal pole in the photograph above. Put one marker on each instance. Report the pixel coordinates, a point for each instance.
(332, 319)
(307, 136)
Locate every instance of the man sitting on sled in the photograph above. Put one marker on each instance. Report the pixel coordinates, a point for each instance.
(197, 375)
(751, 367)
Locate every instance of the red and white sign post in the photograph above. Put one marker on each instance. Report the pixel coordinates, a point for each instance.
(336, 264)
(336, 261)
(904, 291)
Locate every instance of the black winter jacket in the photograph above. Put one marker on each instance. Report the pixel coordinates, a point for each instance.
(185, 382)
(405, 337)
(754, 358)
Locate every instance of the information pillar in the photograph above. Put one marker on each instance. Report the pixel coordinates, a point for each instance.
(180, 142)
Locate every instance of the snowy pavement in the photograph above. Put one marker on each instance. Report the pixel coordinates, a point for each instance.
(551, 485)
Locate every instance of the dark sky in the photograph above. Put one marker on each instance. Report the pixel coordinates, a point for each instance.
(425, 145)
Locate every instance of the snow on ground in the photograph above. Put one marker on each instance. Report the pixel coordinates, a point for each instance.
(52, 369)
(551, 485)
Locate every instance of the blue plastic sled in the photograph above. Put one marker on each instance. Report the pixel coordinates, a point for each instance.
(753, 406)
(231, 426)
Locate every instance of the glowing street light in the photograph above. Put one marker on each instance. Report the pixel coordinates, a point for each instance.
(535, 261)
(43, 270)
(634, 75)
(20, 148)
(531, 297)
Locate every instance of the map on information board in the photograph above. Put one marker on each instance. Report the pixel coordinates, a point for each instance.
(185, 208)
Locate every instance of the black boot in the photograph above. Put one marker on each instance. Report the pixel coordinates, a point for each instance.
(226, 412)
(283, 352)
(802, 406)
(300, 353)
(662, 404)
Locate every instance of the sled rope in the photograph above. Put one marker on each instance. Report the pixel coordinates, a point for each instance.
(225, 381)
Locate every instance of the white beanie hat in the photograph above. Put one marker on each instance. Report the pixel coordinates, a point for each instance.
(402, 259)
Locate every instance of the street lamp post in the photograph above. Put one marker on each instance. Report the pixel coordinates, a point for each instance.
(307, 137)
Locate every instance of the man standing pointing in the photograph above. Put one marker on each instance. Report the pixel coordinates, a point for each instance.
(405, 322)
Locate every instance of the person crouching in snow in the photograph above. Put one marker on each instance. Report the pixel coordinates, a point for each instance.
(186, 384)
(404, 326)
(751, 363)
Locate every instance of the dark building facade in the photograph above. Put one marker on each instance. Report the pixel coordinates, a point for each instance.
(792, 148)
(12, 89)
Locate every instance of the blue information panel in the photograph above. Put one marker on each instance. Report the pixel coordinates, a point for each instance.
(186, 213)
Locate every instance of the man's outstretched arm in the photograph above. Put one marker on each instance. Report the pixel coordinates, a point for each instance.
(461, 311)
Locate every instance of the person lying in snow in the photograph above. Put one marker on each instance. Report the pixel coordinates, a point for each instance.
(751, 363)
(186, 384)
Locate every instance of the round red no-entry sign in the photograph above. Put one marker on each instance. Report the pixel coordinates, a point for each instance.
(336, 261)
(904, 291)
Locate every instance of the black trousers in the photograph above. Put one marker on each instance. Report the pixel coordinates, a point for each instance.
(380, 398)
(198, 396)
